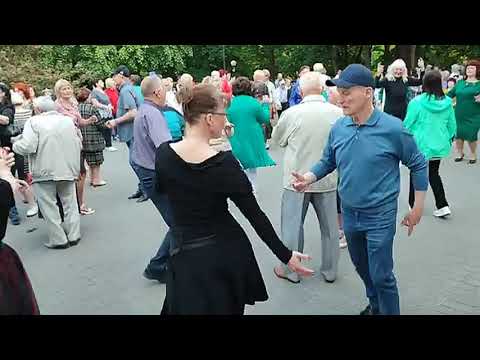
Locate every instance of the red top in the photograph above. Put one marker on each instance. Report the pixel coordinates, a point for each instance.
(112, 94)
(226, 88)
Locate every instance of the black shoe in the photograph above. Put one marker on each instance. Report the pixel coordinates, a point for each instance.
(368, 311)
(58, 247)
(162, 279)
(460, 158)
(142, 198)
(473, 161)
(75, 242)
(135, 196)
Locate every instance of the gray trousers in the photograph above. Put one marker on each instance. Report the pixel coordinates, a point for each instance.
(46, 192)
(294, 210)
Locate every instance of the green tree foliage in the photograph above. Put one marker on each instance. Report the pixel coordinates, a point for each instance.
(42, 65)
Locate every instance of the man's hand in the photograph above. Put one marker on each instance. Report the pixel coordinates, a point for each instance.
(111, 124)
(301, 182)
(412, 218)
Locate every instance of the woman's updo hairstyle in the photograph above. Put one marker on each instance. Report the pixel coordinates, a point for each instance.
(201, 99)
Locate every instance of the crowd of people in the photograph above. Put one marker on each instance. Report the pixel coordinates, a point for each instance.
(192, 146)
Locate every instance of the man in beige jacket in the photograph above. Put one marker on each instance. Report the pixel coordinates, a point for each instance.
(53, 145)
(303, 130)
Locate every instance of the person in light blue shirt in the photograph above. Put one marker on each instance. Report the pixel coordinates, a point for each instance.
(136, 82)
(128, 103)
(366, 147)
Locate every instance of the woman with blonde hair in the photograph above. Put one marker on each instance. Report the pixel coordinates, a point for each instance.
(184, 82)
(67, 105)
(395, 84)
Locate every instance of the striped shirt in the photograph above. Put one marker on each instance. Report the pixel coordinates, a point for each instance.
(21, 116)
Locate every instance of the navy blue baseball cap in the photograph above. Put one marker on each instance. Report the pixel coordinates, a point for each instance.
(353, 75)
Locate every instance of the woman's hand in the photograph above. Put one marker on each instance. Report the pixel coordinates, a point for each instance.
(295, 264)
(380, 69)
(477, 98)
(229, 129)
(7, 160)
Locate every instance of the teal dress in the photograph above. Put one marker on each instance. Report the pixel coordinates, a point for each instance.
(467, 110)
(248, 142)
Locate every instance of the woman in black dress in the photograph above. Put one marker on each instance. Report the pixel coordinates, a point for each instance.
(212, 268)
(396, 84)
(16, 293)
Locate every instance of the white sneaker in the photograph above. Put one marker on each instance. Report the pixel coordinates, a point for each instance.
(32, 211)
(445, 211)
(111, 149)
(343, 241)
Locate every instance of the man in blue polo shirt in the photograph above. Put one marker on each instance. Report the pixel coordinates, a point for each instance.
(366, 146)
(128, 104)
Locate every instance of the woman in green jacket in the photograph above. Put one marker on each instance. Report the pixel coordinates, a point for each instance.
(247, 114)
(431, 120)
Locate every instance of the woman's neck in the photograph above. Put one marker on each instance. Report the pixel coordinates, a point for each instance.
(472, 79)
(196, 135)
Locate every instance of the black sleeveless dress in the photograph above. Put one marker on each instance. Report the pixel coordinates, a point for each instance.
(212, 269)
(16, 293)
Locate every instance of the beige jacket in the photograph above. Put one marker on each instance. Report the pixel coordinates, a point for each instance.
(303, 130)
(53, 147)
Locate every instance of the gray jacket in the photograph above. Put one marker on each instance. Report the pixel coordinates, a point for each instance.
(53, 147)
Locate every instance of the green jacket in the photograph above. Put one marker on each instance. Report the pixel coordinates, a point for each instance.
(248, 142)
(432, 123)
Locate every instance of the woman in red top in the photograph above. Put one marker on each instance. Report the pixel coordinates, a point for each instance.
(225, 85)
(112, 94)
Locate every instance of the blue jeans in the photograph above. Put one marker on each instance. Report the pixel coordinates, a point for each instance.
(147, 178)
(370, 236)
(134, 166)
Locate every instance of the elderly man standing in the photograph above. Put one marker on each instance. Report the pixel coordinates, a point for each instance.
(150, 130)
(46, 136)
(295, 97)
(366, 146)
(302, 130)
(128, 104)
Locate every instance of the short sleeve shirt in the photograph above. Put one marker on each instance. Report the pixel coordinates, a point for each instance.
(126, 101)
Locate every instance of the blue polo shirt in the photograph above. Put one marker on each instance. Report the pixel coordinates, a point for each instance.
(127, 100)
(367, 158)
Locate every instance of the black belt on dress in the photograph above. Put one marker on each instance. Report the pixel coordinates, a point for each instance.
(179, 244)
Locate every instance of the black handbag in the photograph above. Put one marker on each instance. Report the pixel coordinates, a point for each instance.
(13, 130)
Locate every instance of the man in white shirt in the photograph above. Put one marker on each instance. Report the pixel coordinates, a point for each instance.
(303, 130)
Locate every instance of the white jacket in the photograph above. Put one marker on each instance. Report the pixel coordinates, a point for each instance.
(303, 130)
(53, 147)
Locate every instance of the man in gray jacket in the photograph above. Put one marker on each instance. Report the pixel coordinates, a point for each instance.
(53, 145)
(303, 130)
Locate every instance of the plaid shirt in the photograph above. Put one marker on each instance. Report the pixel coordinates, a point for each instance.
(93, 139)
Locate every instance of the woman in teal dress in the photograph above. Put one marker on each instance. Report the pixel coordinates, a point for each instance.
(467, 110)
(247, 114)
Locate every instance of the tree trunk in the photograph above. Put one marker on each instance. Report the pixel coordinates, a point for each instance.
(407, 54)
(333, 55)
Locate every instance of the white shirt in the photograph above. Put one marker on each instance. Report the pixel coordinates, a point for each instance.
(303, 130)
